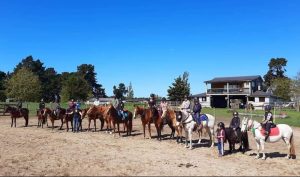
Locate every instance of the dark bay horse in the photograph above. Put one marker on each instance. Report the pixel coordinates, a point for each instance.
(42, 118)
(54, 117)
(16, 113)
(147, 118)
(113, 116)
(232, 138)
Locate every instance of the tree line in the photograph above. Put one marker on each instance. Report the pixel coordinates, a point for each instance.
(31, 81)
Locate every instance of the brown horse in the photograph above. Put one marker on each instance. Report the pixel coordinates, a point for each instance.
(69, 118)
(170, 117)
(147, 118)
(113, 116)
(54, 117)
(16, 113)
(94, 113)
(42, 117)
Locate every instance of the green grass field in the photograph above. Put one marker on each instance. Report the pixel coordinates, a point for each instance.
(293, 118)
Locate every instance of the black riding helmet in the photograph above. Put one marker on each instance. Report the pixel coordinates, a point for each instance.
(152, 95)
(235, 114)
(221, 124)
(268, 108)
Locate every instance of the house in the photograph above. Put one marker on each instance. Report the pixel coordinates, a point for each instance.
(235, 92)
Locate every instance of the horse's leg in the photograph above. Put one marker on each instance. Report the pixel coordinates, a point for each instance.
(144, 128)
(262, 142)
(149, 129)
(62, 121)
(95, 125)
(158, 132)
(102, 124)
(89, 128)
(15, 122)
(67, 124)
(257, 146)
(200, 136)
(186, 139)
(118, 125)
(190, 136)
(52, 121)
(212, 137)
(287, 142)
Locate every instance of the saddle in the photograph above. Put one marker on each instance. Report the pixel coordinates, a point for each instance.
(273, 132)
(201, 120)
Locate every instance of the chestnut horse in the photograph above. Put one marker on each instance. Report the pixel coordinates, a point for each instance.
(147, 119)
(170, 117)
(113, 116)
(93, 113)
(54, 117)
(15, 113)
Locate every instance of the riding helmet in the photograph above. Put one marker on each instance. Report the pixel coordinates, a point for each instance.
(268, 108)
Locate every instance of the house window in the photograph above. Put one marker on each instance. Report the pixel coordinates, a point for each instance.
(203, 99)
(262, 99)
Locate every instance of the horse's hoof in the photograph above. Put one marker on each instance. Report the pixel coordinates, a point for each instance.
(257, 157)
(110, 133)
(264, 158)
(288, 157)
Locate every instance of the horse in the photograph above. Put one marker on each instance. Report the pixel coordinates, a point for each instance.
(93, 113)
(170, 117)
(54, 117)
(16, 113)
(189, 125)
(69, 118)
(282, 131)
(42, 118)
(232, 138)
(147, 119)
(113, 116)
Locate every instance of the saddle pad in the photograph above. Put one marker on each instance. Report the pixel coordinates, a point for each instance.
(203, 117)
(274, 131)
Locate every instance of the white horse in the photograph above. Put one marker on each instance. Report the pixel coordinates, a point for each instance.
(285, 133)
(189, 125)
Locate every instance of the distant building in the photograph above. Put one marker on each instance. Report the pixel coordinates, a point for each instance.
(235, 92)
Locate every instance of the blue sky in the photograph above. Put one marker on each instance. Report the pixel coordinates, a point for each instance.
(152, 42)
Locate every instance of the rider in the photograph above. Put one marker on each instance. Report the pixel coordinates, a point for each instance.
(164, 108)
(197, 110)
(56, 106)
(72, 105)
(42, 106)
(19, 105)
(235, 123)
(186, 106)
(152, 105)
(268, 121)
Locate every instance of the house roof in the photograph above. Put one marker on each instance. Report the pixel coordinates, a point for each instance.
(233, 79)
(199, 95)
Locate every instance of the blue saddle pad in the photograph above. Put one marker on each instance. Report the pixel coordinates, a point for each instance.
(203, 117)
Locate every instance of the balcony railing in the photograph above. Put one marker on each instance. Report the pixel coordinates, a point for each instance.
(230, 91)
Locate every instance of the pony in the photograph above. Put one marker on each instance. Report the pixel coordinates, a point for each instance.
(147, 118)
(16, 113)
(232, 139)
(282, 131)
(54, 117)
(189, 125)
(113, 116)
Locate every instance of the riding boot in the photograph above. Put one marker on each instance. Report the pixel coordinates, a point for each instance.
(266, 135)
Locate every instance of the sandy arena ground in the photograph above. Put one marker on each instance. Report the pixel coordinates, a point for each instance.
(43, 152)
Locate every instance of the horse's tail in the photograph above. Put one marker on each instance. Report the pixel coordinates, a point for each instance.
(292, 150)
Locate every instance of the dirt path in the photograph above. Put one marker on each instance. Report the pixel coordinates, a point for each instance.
(36, 151)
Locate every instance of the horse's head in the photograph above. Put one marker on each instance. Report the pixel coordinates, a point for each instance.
(137, 111)
(244, 126)
(178, 116)
(7, 109)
